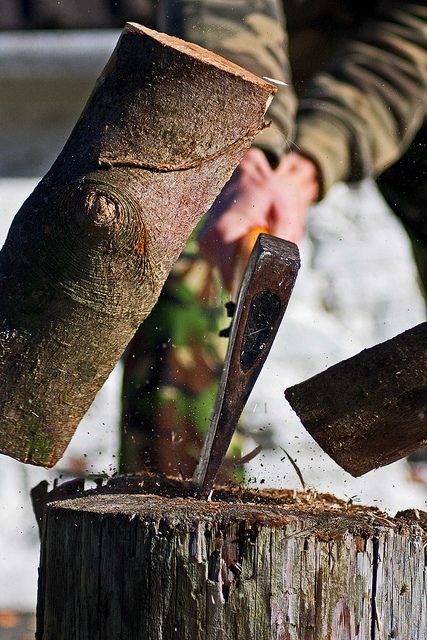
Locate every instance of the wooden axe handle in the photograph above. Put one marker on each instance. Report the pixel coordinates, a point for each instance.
(243, 252)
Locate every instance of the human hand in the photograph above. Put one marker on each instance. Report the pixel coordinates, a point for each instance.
(257, 196)
(296, 187)
(244, 203)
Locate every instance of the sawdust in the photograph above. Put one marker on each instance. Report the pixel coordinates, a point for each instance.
(155, 497)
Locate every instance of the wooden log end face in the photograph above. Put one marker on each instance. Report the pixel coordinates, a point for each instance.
(369, 410)
(193, 50)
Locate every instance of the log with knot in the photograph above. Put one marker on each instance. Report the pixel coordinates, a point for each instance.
(89, 251)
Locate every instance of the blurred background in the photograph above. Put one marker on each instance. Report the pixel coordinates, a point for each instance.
(357, 287)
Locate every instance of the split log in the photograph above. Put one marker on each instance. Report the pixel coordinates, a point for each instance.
(249, 566)
(89, 251)
(371, 409)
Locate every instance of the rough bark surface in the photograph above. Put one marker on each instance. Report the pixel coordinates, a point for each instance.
(369, 410)
(246, 566)
(88, 252)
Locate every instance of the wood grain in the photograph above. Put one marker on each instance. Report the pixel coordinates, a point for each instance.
(150, 567)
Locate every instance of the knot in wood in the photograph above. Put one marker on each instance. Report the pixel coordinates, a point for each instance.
(93, 234)
(102, 210)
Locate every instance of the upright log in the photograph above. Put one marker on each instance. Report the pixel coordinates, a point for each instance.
(246, 566)
(90, 249)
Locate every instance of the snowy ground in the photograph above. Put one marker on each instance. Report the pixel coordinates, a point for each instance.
(356, 288)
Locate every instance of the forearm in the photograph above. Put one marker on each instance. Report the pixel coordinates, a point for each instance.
(250, 34)
(362, 112)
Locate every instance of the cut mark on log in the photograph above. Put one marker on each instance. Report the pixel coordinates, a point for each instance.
(199, 53)
(110, 159)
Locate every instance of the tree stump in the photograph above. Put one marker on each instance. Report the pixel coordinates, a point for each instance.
(89, 251)
(149, 562)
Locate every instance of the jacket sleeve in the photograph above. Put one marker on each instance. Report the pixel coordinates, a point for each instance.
(360, 114)
(250, 33)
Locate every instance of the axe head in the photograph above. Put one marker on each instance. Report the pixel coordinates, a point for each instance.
(264, 295)
(369, 410)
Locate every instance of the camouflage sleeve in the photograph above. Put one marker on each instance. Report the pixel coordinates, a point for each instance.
(252, 34)
(360, 114)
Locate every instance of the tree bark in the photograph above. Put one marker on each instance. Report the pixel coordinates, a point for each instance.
(87, 254)
(247, 566)
(369, 410)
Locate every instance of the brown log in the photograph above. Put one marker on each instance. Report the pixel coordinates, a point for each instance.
(369, 410)
(246, 566)
(89, 251)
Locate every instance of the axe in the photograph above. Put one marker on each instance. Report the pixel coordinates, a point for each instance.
(369, 410)
(264, 294)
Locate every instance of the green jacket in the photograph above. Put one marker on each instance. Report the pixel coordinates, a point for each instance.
(358, 93)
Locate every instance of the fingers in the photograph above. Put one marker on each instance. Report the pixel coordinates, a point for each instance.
(296, 167)
(244, 203)
(236, 223)
(218, 254)
(255, 162)
(296, 186)
(294, 192)
(289, 225)
(257, 196)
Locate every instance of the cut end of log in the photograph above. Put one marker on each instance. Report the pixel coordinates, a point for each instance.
(127, 494)
(203, 55)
